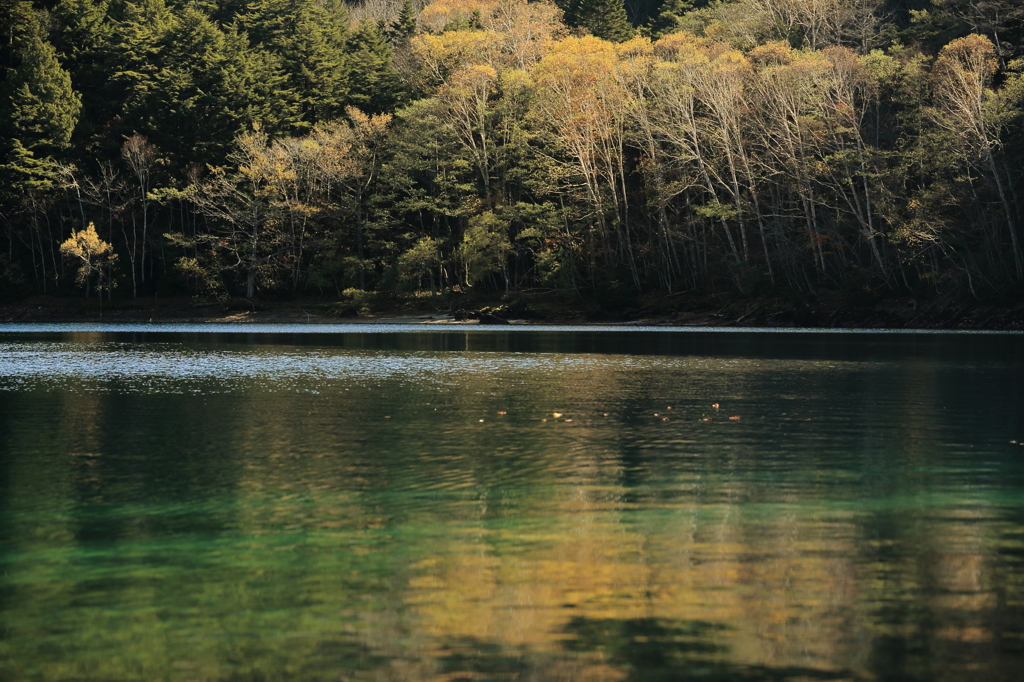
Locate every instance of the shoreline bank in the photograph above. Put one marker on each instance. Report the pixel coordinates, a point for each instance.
(906, 314)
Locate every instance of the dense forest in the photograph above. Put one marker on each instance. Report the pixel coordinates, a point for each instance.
(272, 148)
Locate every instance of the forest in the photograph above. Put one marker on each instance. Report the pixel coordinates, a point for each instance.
(267, 149)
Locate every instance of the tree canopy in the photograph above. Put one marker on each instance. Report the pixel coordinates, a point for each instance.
(263, 147)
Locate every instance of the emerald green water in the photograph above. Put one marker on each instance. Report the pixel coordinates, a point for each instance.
(402, 503)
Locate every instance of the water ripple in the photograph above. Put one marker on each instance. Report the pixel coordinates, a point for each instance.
(137, 366)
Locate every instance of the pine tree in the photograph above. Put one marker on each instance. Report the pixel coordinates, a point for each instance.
(38, 114)
(309, 37)
(404, 27)
(190, 86)
(82, 36)
(38, 109)
(376, 86)
(256, 88)
(188, 113)
(668, 17)
(137, 63)
(603, 18)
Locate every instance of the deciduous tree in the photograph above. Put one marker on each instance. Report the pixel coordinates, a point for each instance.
(93, 256)
(961, 79)
(141, 158)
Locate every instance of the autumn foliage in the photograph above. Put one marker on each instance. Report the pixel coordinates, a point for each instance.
(755, 146)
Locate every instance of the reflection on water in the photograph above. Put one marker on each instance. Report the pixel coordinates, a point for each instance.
(388, 505)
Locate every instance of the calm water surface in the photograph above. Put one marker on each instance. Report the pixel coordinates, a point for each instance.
(443, 503)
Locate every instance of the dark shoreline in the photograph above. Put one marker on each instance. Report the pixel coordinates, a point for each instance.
(903, 313)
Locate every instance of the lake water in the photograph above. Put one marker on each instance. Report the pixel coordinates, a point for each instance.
(456, 503)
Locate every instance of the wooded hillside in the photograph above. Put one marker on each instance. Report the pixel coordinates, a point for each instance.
(865, 148)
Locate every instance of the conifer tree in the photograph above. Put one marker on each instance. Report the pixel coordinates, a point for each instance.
(376, 86)
(38, 108)
(137, 65)
(256, 86)
(82, 34)
(405, 26)
(668, 17)
(603, 18)
(309, 38)
(187, 112)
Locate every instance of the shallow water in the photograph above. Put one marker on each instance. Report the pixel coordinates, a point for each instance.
(388, 502)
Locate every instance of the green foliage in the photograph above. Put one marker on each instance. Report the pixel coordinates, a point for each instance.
(359, 299)
(603, 18)
(38, 106)
(1004, 109)
(187, 109)
(404, 27)
(419, 262)
(485, 247)
(719, 159)
(309, 40)
(255, 87)
(39, 109)
(82, 35)
(378, 87)
(424, 177)
(669, 17)
(716, 211)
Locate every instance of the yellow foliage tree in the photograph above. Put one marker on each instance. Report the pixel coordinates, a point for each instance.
(466, 97)
(93, 255)
(442, 55)
(582, 95)
(442, 15)
(499, 33)
(790, 93)
(961, 79)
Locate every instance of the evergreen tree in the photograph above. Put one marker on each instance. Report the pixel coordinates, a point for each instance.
(82, 36)
(404, 27)
(38, 107)
(603, 18)
(255, 86)
(224, 12)
(190, 87)
(188, 113)
(424, 182)
(309, 38)
(643, 12)
(376, 86)
(668, 17)
(38, 113)
(137, 63)
(14, 20)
